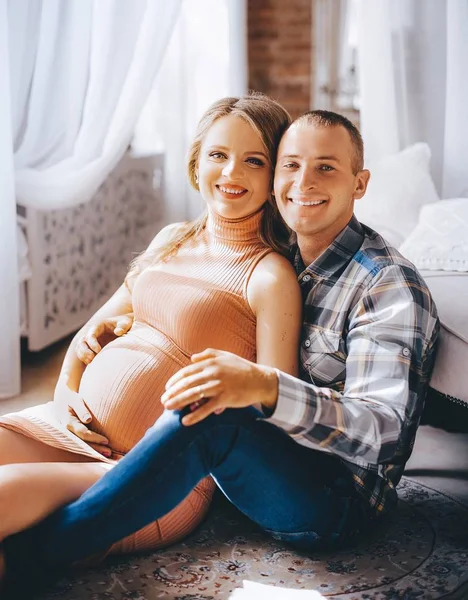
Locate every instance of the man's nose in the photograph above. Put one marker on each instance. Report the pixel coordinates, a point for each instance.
(306, 179)
(232, 169)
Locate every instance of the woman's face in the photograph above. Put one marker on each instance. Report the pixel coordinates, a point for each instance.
(234, 171)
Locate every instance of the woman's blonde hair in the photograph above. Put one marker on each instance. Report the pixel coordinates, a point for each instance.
(270, 120)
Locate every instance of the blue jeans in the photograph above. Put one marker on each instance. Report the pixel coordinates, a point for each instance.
(297, 495)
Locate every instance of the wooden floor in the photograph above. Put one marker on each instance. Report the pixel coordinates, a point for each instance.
(39, 372)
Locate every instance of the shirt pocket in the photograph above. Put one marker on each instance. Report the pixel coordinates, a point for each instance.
(322, 357)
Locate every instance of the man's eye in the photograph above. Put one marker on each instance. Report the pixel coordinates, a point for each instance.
(255, 161)
(326, 168)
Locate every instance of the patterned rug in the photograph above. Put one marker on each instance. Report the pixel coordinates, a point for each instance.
(420, 553)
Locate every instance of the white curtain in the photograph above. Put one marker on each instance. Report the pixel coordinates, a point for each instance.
(413, 71)
(206, 60)
(74, 75)
(9, 295)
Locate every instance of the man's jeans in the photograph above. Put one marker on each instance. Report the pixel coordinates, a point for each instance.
(301, 496)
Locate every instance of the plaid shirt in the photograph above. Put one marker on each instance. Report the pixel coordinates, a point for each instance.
(367, 349)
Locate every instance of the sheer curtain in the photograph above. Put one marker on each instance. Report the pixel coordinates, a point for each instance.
(74, 76)
(206, 60)
(413, 68)
(9, 296)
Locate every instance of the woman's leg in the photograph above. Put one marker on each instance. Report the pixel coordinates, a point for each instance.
(30, 491)
(300, 495)
(172, 527)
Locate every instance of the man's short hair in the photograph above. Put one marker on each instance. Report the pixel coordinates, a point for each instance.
(327, 118)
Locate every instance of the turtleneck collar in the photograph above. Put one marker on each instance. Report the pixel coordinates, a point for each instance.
(237, 230)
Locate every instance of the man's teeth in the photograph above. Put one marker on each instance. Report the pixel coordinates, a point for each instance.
(316, 203)
(227, 190)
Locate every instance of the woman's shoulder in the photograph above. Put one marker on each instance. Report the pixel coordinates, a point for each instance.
(275, 266)
(273, 275)
(273, 286)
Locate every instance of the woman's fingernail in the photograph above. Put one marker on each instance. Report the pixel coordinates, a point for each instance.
(87, 417)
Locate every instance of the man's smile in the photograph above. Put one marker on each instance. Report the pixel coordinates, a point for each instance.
(305, 202)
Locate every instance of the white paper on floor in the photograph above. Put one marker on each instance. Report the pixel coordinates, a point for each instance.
(260, 591)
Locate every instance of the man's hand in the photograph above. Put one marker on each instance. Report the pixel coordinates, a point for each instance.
(75, 416)
(100, 334)
(217, 380)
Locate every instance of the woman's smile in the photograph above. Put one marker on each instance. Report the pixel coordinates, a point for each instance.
(234, 170)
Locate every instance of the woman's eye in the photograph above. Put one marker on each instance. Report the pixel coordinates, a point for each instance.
(289, 165)
(255, 161)
(326, 168)
(217, 155)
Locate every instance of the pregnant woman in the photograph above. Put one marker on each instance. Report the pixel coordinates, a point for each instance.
(220, 281)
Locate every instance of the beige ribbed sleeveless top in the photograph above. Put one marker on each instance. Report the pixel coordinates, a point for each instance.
(198, 298)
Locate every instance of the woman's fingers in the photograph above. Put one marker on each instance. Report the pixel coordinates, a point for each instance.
(104, 450)
(123, 325)
(75, 426)
(83, 352)
(88, 346)
(78, 405)
(91, 337)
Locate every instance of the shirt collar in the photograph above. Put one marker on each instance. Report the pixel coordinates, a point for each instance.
(338, 253)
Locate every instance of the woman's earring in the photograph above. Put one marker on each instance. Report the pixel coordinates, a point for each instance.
(196, 178)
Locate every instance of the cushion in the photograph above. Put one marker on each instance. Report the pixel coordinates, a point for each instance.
(399, 186)
(439, 241)
(450, 292)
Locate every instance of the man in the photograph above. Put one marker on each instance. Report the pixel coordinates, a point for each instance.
(319, 463)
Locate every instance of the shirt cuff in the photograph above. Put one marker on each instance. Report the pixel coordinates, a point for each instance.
(291, 409)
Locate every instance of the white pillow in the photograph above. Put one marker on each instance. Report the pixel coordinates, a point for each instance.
(399, 186)
(440, 240)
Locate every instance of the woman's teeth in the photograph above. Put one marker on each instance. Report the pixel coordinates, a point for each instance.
(227, 190)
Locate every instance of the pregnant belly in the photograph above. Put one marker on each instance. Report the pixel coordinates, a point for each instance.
(123, 385)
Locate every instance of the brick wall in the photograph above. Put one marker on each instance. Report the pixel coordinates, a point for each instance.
(279, 51)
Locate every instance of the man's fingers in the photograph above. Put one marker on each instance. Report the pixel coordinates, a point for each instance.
(198, 390)
(185, 372)
(207, 353)
(203, 411)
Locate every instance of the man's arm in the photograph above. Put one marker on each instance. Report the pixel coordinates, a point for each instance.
(390, 343)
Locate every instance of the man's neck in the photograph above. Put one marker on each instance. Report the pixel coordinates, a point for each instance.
(312, 247)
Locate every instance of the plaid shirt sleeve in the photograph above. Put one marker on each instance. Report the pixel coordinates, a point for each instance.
(390, 347)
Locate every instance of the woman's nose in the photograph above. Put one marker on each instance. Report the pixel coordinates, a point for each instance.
(232, 169)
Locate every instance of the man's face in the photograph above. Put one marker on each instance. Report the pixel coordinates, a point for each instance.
(315, 186)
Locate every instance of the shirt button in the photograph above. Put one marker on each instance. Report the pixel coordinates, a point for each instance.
(406, 352)
(307, 343)
(306, 278)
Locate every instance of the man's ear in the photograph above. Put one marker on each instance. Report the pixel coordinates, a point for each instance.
(360, 183)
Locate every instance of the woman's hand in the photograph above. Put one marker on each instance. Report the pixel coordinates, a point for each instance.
(100, 334)
(218, 380)
(75, 416)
